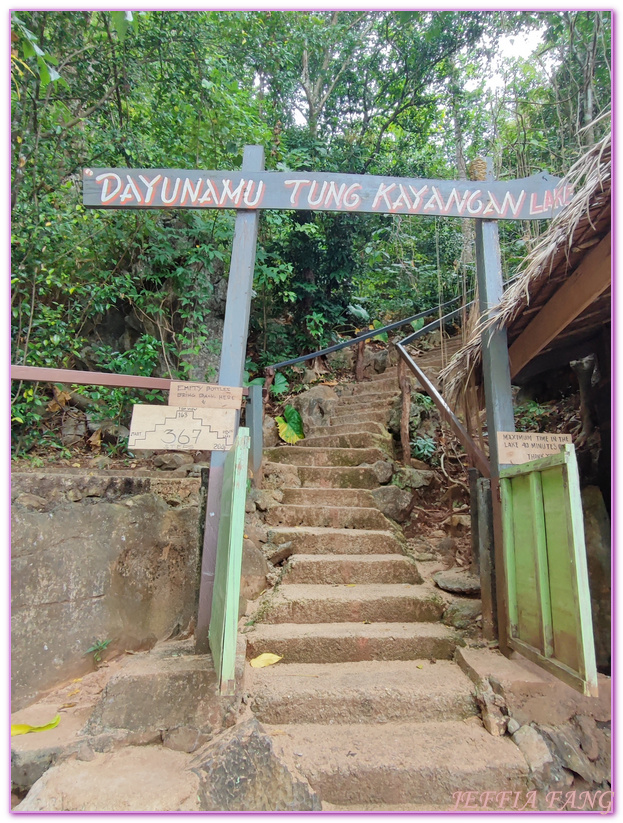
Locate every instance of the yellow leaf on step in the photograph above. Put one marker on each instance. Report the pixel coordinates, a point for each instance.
(24, 728)
(266, 659)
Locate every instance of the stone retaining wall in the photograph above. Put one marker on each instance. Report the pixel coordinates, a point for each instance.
(97, 557)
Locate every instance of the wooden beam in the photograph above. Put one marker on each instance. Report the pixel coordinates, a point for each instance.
(590, 279)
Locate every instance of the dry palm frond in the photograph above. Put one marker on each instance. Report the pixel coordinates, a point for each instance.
(577, 228)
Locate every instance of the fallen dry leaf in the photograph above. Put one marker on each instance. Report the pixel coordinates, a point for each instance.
(266, 659)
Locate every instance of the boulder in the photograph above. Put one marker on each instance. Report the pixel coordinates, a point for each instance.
(383, 471)
(534, 749)
(315, 405)
(270, 432)
(254, 571)
(414, 478)
(393, 502)
(173, 460)
(461, 613)
(457, 581)
(241, 772)
(73, 428)
(344, 359)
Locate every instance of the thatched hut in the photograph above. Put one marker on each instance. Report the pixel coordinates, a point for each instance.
(558, 309)
(557, 315)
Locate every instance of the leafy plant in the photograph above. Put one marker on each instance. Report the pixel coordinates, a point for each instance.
(530, 415)
(383, 335)
(423, 448)
(290, 428)
(280, 385)
(97, 648)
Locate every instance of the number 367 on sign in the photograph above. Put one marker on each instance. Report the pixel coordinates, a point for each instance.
(178, 428)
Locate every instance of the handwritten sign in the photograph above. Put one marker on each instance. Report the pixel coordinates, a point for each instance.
(520, 447)
(205, 395)
(531, 198)
(181, 429)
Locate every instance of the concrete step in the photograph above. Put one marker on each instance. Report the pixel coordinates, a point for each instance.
(354, 603)
(328, 497)
(396, 763)
(306, 456)
(330, 477)
(379, 384)
(374, 414)
(352, 440)
(367, 400)
(342, 517)
(371, 426)
(375, 691)
(346, 568)
(343, 642)
(313, 540)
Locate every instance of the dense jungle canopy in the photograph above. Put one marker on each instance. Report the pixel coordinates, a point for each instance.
(418, 94)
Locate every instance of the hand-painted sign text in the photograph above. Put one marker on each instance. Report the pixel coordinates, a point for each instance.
(532, 198)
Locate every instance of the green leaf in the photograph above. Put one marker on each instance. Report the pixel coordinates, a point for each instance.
(290, 429)
(280, 386)
(120, 21)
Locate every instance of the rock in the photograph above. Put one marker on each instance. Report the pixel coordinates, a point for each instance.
(281, 476)
(393, 502)
(240, 771)
(284, 551)
(598, 554)
(73, 428)
(254, 570)
(31, 501)
(512, 725)
(265, 499)
(568, 750)
(255, 530)
(493, 718)
(183, 739)
(342, 359)
(315, 405)
(270, 433)
(446, 546)
(588, 736)
(425, 556)
(135, 779)
(173, 460)
(414, 478)
(309, 375)
(534, 749)
(85, 752)
(457, 581)
(459, 524)
(383, 471)
(103, 462)
(461, 613)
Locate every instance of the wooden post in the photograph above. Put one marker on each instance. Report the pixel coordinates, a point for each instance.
(233, 355)
(405, 413)
(497, 383)
(359, 364)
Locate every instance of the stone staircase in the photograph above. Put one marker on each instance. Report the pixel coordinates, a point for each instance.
(367, 701)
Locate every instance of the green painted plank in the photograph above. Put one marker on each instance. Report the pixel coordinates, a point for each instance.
(506, 494)
(578, 556)
(541, 564)
(528, 608)
(224, 618)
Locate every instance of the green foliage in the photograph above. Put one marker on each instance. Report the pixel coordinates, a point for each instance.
(290, 425)
(280, 385)
(383, 92)
(529, 416)
(97, 648)
(423, 448)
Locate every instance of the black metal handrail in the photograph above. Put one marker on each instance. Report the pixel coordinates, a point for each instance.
(367, 335)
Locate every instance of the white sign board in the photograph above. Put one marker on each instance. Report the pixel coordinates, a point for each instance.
(181, 429)
(204, 395)
(521, 447)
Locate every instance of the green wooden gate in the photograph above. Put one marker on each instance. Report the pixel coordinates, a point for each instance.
(549, 604)
(223, 629)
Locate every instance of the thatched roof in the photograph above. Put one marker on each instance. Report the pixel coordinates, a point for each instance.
(574, 232)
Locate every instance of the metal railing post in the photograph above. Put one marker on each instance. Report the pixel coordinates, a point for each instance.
(255, 421)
